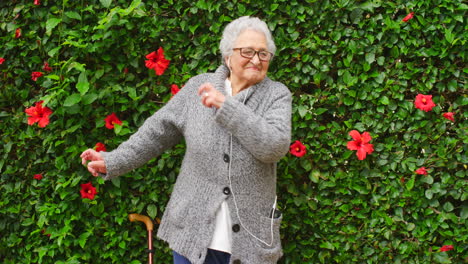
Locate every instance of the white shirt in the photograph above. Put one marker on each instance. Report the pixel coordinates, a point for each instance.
(222, 235)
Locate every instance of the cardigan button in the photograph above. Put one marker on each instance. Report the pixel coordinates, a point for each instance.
(227, 191)
(237, 261)
(226, 158)
(236, 228)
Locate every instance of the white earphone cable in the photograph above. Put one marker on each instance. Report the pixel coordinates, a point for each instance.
(235, 202)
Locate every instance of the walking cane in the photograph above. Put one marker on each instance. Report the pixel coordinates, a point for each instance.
(149, 228)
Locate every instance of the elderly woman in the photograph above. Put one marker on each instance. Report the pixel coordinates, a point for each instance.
(236, 123)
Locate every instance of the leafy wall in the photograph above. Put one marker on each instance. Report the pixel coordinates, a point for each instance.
(351, 65)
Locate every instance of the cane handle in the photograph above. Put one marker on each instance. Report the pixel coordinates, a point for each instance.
(142, 218)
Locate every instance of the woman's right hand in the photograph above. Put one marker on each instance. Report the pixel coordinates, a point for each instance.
(96, 165)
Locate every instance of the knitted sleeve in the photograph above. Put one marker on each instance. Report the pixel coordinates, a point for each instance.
(159, 132)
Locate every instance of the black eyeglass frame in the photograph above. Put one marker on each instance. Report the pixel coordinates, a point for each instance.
(256, 52)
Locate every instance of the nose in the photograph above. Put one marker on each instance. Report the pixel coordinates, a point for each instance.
(255, 60)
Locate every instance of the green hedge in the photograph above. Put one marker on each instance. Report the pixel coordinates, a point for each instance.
(351, 65)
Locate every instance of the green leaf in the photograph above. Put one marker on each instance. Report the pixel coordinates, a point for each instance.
(384, 100)
(72, 99)
(320, 111)
(83, 238)
(89, 98)
(152, 211)
(73, 14)
(306, 164)
(51, 24)
(464, 212)
(429, 194)
(449, 36)
(327, 245)
(442, 257)
(53, 77)
(370, 5)
(427, 179)
(53, 51)
(106, 3)
(356, 15)
(314, 176)
(410, 183)
(302, 110)
(370, 57)
(83, 84)
(448, 207)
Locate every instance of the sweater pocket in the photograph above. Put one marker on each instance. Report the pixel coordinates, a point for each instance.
(270, 251)
(273, 229)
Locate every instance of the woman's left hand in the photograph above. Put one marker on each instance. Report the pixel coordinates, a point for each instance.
(210, 96)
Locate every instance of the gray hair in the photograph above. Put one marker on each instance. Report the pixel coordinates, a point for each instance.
(236, 27)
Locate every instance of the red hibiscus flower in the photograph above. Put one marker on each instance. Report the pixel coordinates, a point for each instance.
(421, 171)
(38, 114)
(37, 2)
(297, 149)
(157, 62)
(88, 191)
(46, 67)
(174, 89)
(18, 33)
(38, 177)
(446, 248)
(111, 120)
(424, 102)
(408, 17)
(100, 147)
(36, 75)
(2, 60)
(449, 116)
(361, 144)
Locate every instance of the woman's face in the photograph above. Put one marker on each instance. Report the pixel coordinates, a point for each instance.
(249, 71)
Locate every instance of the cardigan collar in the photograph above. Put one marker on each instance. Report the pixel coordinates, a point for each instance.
(253, 93)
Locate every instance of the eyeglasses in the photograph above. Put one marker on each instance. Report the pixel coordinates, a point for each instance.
(249, 53)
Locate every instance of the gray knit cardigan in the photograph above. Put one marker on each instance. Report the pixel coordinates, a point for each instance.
(260, 124)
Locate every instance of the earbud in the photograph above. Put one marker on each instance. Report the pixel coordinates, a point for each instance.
(229, 63)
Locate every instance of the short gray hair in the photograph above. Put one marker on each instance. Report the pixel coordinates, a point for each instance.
(236, 27)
